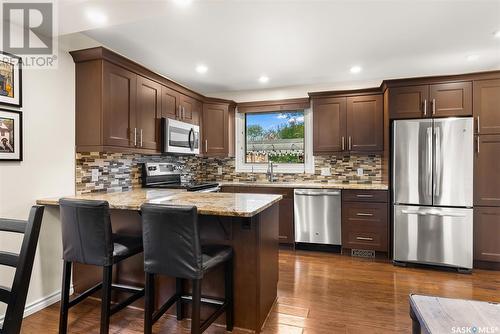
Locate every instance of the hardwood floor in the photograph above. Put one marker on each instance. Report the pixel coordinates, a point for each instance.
(317, 293)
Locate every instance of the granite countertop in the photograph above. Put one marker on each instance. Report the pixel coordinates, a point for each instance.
(215, 204)
(311, 184)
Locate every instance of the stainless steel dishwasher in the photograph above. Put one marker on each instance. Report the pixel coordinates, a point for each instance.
(317, 216)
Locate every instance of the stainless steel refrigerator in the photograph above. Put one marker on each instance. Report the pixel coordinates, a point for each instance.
(432, 182)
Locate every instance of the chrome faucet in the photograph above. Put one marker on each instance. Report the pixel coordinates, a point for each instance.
(270, 171)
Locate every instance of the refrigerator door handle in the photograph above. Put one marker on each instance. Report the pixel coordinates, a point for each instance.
(429, 161)
(437, 163)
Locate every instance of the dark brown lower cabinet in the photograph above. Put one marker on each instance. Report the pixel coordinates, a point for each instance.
(365, 220)
(286, 226)
(487, 234)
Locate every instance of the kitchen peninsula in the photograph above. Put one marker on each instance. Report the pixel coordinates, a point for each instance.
(247, 222)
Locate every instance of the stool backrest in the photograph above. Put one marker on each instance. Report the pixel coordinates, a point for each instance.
(86, 231)
(15, 297)
(171, 241)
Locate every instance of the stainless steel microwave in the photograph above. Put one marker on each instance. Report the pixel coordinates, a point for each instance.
(180, 137)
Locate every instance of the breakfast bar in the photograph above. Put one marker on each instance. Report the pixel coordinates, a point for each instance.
(247, 222)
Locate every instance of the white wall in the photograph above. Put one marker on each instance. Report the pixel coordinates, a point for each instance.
(290, 92)
(47, 170)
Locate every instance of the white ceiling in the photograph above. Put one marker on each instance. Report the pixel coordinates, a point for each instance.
(294, 42)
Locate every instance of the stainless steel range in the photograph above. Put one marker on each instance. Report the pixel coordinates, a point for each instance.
(165, 175)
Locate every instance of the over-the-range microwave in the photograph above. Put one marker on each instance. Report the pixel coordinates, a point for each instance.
(180, 137)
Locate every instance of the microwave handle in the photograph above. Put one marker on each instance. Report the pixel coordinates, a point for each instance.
(191, 142)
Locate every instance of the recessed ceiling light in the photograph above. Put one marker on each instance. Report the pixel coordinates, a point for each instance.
(201, 68)
(263, 79)
(96, 16)
(472, 57)
(355, 69)
(182, 3)
(497, 34)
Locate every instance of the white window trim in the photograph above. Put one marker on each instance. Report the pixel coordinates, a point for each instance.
(243, 167)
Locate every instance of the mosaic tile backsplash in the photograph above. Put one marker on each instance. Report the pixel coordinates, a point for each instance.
(122, 171)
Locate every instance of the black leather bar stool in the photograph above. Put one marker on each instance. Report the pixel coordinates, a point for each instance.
(172, 247)
(88, 239)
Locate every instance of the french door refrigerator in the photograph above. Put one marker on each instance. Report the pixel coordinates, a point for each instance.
(432, 182)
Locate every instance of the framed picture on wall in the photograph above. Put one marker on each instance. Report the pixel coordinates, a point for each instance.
(10, 80)
(11, 135)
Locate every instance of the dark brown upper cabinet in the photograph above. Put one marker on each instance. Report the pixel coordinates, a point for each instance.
(436, 100)
(329, 125)
(190, 110)
(169, 103)
(408, 102)
(119, 92)
(451, 99)
(365, 123)
(119, 105)
(487, 171)
(487, 106)
(148, 114)
(348, 124)
(215, 129)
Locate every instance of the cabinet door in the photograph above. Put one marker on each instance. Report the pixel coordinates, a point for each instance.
(169, 103)
(487, 171)
(190, 109)
(486, 234)
(119, 106)
(365, 123)
(148, 113)
(409, 102)
(487, 106)
(215, 129)
(329, 125)
(451, 99)
(286, 228)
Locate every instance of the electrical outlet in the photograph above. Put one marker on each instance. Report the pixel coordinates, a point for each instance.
(219, 170)
(326, 171)
(360, 171)
(95, 175)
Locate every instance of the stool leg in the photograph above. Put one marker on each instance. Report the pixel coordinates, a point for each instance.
(179, 291)
(107, 277)
(228, 287)
(149, 303)
(196, 307)
(66, 282)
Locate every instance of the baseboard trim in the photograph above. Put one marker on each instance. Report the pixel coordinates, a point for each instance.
(40, 304)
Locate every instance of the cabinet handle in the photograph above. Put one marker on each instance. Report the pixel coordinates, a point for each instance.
(350, 143)
(364, 214)
(434, 106)
(364, 238)
(141, 137)
(135, 136)
(179, 112)
(343, 143)
(425, 107)
(364, 196)
(206, 145)
(477, 145)
(183, 113)
(478, 125)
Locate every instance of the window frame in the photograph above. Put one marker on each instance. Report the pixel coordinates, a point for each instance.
(296, 168)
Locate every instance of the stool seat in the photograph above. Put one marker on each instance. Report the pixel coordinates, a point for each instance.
(213, 255)
(125, 246)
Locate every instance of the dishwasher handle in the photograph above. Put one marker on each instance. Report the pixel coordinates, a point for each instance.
(312, 193)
